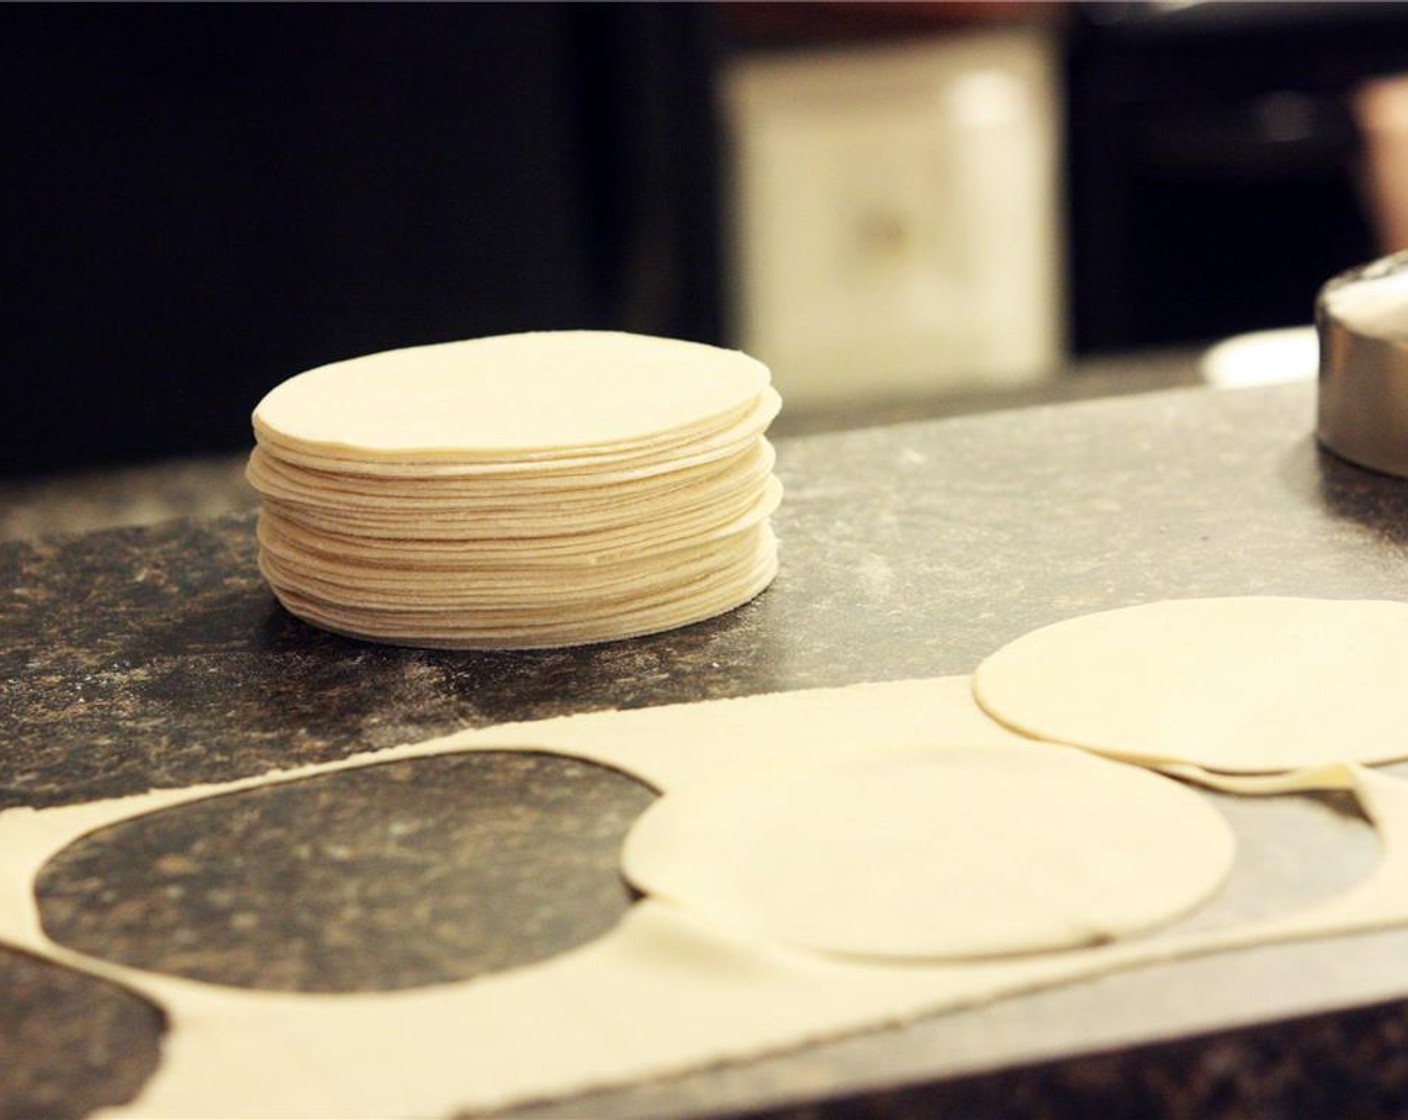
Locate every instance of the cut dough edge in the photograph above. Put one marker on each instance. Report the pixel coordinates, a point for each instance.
(619, 465)
(542, 629)
(549, 451)
(795, 999)
(1189, 677)
(922, 844)
(272, 479)
(530, 395)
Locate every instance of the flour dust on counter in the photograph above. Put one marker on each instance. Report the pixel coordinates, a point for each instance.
(536, 490)
(608, 1013)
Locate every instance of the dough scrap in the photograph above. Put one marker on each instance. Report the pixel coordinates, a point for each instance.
(918, 853)
(1239, 685)
(662, 993)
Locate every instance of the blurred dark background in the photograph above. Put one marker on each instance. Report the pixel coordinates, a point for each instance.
(1215, 165)
(198, 201)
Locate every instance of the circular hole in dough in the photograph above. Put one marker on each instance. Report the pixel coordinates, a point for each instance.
(937, 853)
(1241, 685)
(74, 1043)
(400, 875)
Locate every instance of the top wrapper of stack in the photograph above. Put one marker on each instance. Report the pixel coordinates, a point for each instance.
(550, 400)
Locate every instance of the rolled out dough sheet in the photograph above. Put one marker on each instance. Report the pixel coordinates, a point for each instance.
(1240, 685)
(666, 991)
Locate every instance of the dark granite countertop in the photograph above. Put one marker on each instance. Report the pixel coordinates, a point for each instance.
(148, 493)
(155, 657)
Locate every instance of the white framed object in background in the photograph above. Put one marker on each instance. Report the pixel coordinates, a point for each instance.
(895, 221)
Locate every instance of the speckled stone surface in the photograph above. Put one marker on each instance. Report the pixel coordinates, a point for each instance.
(488, 860)
(69, 1043)
(155, 657)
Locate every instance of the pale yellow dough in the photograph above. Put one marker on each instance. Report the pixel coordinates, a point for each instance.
(665, 991)
(535, 392)
(916, 853)
(540, 470)
(1240, 685)
(320, 489)
(525, 532)
(551, 623)
(555, 488)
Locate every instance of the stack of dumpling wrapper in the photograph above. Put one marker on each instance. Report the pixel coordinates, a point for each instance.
(529, 490)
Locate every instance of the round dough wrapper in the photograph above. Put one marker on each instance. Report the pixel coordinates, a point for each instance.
(536, 469)
(663, 534)
(446, 630)
(1240, 685)
(280, 481)
(937, 853)
(549, 391)
(536, 489)
(525, 589)
(650, 519)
